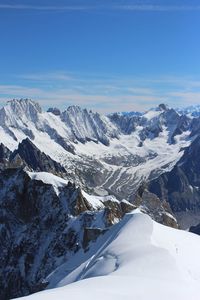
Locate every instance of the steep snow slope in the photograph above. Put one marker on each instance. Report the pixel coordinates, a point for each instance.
(138, 259)
(45, 221)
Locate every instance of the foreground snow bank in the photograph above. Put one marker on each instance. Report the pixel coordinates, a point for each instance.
(139, 259)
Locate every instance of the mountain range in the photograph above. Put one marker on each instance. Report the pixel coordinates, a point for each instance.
(74, 184)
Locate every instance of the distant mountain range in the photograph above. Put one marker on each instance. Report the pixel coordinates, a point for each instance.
(193, 110)
(67, 177)
(102, 154)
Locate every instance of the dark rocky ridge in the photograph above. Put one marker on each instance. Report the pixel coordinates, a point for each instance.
(125, 123)
(158, 209)
(27, 154)
(35, 159)
(41, 228)
(195, 229)
(55, 111)
(4, 156)
(181, 186)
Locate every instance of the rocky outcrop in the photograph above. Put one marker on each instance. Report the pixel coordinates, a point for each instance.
(55, 111)
(4, 153)
(159, 211)
(126, 123)
(4, 156)
(127, 206)
(91, 234)
(183, 124)
(195, 229)
(181, 186)
(28, 154)
(42, 225)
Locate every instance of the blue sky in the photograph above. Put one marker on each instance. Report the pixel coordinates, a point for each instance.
(101, 54)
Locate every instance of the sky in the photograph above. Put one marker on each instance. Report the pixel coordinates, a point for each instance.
(104, 55)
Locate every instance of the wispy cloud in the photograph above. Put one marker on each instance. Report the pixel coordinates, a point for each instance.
(62, 98)
(123, 7)
(102, 93)
(44, 8)
(185, 98)
(159, 8)
(57, 76)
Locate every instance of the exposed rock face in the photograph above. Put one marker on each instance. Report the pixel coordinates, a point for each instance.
(4, 156)
(4, 153)
(195, 229)
(80, 204)
(42, 225)
(54, 110)
(163, 106)
(36, 160)
(93, 126)
(184, 123)
(158, 210)
(91, 234)
(114, 211)
(127, 206)
(195, 126)
(181, 186)
(27, 154)
(17, 111)
(127, 124)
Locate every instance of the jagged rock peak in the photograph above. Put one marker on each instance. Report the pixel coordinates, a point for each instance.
(36, 160)
(19, 110)
(163, 107)
(151, 204)
(54, 110)
(24, 105)
(94, 127)
(75, 109)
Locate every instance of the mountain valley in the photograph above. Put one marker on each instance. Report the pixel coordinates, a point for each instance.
(71, 181)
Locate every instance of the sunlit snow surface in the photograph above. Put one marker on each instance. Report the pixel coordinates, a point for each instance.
(138, 259)
(121, 166)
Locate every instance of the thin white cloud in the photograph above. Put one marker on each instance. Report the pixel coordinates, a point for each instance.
(55, 76)
(185, 98)
(45, 8)
(159, 8)
(130, 7)
(102, 94)
(63, 98)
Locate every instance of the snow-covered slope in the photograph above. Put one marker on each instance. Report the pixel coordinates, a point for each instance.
(137, 259)
(54, 232)
(103, 153)
(45, 221)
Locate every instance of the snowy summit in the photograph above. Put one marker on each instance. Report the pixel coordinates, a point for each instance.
(137, 259)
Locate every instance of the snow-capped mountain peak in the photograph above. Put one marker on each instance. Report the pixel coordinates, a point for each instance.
(16, 110)
(51, 225)
(88, 126)
(122, 149)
